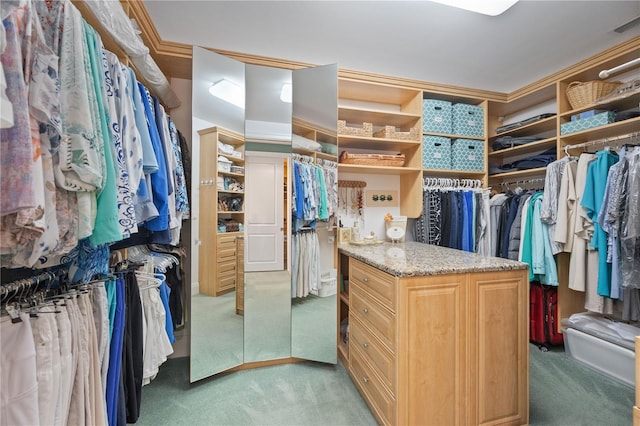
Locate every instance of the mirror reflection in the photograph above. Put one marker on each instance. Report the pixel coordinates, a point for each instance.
(217, 336)
(314, 213)
(267, 279)
(266, 286)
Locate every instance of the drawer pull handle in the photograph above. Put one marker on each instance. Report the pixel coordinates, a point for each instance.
(365, 310)
(365, 345)
(365, 379)
(365, 280)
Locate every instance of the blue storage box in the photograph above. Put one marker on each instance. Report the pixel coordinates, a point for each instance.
(436, 116)
(587, 114)
(436, 152)
(468, 120)
(467, 154)
(587, 123)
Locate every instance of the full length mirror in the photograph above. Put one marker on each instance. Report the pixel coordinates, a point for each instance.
(268, 149)
(313, 254)
(266, 286)
(217, 335)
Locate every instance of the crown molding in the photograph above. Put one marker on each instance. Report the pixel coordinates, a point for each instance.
(174, 59)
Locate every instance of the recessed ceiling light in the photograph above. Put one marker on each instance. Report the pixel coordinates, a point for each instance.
(286, 93)
(228, 91)
(486, 7)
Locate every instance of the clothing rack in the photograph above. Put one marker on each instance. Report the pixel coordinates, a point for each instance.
(521, 183)
(26, 283)
(327, 163)
(448, 183)
(632, 137)
(302, 158)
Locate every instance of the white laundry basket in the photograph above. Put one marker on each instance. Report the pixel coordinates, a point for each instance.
(328, 284)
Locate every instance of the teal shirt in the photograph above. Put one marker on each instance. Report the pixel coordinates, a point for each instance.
(106, 229)
(592, 198)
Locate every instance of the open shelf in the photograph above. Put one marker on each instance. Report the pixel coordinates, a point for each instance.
(532, 147)
(602, 132)
(383, 170)
(518, 174)
(454, 173)
(446, 135)
(378, 117)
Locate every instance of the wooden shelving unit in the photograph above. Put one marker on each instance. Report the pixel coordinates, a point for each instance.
(218, 250)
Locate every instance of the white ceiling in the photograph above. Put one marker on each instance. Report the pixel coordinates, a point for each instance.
(410, 39)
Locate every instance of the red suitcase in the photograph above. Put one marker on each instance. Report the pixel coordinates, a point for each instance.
(543, 315)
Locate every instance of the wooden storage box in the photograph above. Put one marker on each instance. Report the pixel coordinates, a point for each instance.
(393, 160)
(389, 132)
(366, 130)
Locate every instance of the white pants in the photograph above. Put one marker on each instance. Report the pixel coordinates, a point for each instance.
(67, 373)
(45, 337)
(18, 379)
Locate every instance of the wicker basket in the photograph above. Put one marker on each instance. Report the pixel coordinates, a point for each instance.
(366, 130)
(586, 94)
(372, 159)
(389, 132)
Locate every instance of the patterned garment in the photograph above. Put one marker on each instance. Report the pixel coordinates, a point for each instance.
(123, 156)
(182, 200)
(82, 163)
(16, 149)
(106, 229)
(435, 219)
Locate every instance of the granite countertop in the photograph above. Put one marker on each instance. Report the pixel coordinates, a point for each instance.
(416, 259)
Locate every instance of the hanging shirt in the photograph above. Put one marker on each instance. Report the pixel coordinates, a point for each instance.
(106, 229)
(120, 128)
(159, 186)
(582, 231)
(592, 197)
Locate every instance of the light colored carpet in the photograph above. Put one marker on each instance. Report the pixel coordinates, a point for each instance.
(563, 392)
(217, 335)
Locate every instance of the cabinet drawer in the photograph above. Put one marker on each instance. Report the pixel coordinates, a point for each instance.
(226, 239)
(226, 254)
(380, 286)
(225, 268)
(226, 282)
(380, 358)
(379, 398)
(377, 319)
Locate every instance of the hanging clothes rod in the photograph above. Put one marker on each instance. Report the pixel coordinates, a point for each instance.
(614, 140)
(302, 158)
(433, 182)
(46, 277)
(506, 184)
(631, 63)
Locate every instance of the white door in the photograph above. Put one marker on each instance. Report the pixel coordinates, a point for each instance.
(264, 213)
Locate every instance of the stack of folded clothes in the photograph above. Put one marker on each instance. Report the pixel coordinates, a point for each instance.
(534, 161)
(505, 142)
(519, 124)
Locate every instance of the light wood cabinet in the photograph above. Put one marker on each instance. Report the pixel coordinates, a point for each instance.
(440, 350)
(221, 199)
(240, 275)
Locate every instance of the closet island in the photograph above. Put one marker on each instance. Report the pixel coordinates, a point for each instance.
(436, 335)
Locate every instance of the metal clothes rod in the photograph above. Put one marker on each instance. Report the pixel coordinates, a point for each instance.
(522, 182)
(607, 73)
(616, 140)
(434, 182)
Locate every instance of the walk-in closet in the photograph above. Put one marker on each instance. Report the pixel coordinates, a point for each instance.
(335, 213)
